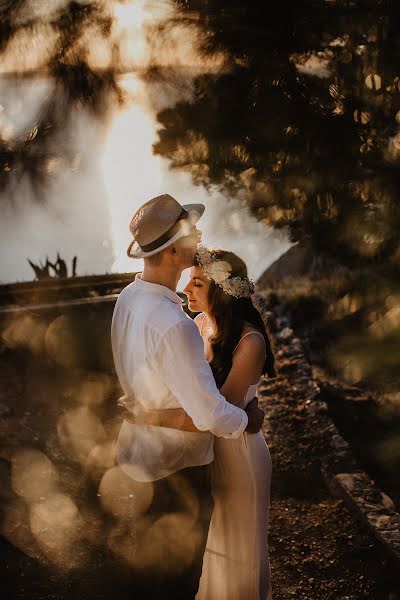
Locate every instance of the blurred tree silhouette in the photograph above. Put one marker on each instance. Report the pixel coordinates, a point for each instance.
(60, 49)
(303, 123)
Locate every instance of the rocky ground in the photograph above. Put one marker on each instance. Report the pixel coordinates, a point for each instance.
(317, 550)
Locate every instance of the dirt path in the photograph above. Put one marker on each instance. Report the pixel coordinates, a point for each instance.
(317, 551)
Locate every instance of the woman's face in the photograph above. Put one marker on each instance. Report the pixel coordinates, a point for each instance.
(197, 290)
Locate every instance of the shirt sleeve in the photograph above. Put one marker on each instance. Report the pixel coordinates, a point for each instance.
(182, 365)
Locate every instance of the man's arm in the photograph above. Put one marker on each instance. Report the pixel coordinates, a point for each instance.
(177, 418)
(181, 363)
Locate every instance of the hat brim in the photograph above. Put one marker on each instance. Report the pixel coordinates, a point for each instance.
(194, 211)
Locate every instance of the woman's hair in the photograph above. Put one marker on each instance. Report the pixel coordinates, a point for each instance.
(230, 315)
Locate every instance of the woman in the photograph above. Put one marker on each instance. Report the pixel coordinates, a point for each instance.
(236, 344)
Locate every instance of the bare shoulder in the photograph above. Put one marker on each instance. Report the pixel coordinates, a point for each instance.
(253, 341)
(198, 319)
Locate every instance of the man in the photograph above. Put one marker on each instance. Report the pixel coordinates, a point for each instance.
(160, 362)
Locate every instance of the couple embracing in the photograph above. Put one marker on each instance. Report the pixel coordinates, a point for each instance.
(192, 430)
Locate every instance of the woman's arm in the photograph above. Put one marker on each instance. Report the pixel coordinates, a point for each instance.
(247, 366)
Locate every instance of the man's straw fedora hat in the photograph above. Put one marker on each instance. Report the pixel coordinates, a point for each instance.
(159, 223)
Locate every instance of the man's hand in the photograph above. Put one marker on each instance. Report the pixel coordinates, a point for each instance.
(255, 416)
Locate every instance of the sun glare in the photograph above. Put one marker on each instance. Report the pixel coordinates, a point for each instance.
(130, 15)
(131, 173)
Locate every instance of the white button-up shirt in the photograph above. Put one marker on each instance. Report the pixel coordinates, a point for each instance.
(159, 358)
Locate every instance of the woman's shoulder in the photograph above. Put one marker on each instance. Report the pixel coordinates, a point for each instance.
(250, 328)
(199, 319)
(251, 339)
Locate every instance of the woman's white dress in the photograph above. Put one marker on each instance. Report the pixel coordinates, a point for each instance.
(236, 562)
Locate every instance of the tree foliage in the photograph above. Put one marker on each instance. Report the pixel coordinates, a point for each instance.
(53, 45)
(303, 121)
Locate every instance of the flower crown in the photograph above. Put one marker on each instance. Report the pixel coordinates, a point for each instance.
(220, 272)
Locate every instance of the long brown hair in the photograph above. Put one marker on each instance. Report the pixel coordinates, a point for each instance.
(230, 315)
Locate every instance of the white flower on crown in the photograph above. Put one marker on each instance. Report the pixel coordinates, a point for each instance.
(219, 271)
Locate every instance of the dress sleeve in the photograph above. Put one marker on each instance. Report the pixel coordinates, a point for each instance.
(181, 363)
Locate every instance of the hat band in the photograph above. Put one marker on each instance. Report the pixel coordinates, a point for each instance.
(165, 237)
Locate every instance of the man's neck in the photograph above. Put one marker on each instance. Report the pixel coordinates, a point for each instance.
(167, 276)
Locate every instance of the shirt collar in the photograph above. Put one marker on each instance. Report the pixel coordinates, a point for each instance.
(156, 288)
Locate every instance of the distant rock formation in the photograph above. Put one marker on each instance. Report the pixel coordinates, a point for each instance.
(299, 261)
(294, 262)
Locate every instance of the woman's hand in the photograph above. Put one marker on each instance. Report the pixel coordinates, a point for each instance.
(255, 416)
